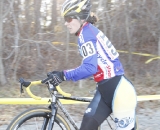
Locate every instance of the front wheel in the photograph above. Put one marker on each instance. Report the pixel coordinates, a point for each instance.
(37, 119)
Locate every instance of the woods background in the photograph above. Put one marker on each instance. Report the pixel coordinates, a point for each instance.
(34, 40)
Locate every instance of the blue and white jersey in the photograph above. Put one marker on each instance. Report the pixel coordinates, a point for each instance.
(100, 58)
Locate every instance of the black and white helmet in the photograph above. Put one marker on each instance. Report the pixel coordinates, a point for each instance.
(76, 8)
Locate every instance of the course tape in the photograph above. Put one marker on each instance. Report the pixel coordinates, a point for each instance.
(31, 101)
(154, 57)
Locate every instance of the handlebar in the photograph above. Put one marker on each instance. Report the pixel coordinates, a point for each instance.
(28, 85)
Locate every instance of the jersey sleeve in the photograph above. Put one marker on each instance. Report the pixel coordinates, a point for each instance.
(89, 63)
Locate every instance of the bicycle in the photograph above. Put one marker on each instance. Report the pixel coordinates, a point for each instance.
(48, 118)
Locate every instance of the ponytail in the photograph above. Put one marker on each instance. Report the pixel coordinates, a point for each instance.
(92, 18)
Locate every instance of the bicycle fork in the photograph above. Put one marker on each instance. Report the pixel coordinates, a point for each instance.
(51, 118)
(54, 112)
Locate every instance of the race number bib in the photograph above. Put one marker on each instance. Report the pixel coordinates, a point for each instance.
(88, 49)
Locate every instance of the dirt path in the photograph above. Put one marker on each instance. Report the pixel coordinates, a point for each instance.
(148, 114)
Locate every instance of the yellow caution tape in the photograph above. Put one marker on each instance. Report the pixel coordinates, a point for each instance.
(155, 57)
(56, 43)
(31, 101)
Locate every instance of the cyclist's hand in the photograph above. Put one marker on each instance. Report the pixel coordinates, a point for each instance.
(56, 77)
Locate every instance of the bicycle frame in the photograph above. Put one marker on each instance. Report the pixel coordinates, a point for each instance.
(56, 101)
(67, 115)
(54, 109)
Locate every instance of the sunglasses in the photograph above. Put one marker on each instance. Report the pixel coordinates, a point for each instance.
(68, 19)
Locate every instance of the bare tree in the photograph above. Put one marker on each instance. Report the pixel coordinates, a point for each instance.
(132, 26)
(2, 72)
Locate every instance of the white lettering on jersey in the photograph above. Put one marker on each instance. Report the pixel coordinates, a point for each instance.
(107, 45)
(81, 39)
(88, 49)
(88, 110)
(104, 63)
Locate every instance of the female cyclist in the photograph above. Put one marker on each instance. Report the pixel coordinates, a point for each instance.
(115, 93)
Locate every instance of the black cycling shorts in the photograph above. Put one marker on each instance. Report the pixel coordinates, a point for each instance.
(116, 95)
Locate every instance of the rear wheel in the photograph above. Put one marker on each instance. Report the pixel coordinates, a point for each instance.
(37, 119)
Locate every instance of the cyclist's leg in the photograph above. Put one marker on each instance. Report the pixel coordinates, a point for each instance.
(95, 114)
(124, 105)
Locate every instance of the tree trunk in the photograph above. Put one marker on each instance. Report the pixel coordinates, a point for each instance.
(2, 75)
(67, 47)
(37, 7)
(159, 51)
(16, 32)
(128, 33)
(54, 13)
